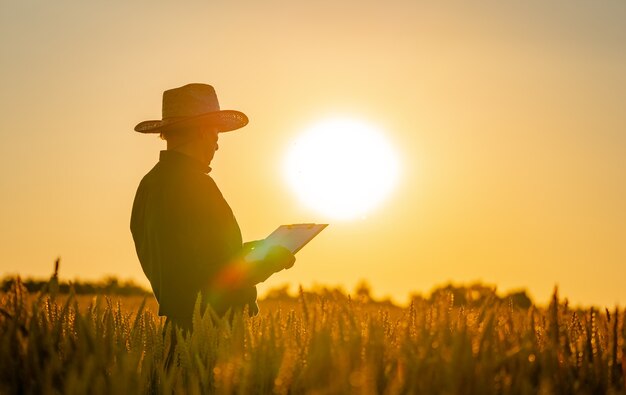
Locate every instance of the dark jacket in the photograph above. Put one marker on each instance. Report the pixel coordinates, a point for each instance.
(185, 234)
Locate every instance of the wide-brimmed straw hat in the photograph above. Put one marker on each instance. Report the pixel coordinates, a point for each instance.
(195, 104)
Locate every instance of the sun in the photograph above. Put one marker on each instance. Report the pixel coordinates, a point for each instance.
(342, 168)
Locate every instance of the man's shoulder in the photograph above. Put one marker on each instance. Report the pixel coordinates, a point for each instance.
(161, 172)
(150, 177)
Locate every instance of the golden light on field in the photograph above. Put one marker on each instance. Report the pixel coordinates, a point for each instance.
(342, 168)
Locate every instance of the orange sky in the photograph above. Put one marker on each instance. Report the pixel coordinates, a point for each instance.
(508, 118)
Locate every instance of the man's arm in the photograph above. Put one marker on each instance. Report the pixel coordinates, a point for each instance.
(241, 273)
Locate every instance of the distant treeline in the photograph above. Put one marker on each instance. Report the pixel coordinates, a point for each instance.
(477, 294)
(457, 295)
(473, 295)
(110, 285)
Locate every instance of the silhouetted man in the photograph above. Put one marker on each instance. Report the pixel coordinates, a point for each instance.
(186, 236)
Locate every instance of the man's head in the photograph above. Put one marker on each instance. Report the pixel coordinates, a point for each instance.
(191, 119)
(196, 140)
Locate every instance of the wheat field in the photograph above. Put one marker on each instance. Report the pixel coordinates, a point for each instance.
(318, 344)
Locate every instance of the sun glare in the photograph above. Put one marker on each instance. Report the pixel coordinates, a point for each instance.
(341, 168)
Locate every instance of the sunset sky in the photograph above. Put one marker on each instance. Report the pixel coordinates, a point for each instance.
(508, 120)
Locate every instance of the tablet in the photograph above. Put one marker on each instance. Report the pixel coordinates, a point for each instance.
(293, 237)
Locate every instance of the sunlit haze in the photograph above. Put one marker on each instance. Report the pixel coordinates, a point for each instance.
(502, 122)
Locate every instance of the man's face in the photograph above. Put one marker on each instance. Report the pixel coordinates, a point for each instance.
(209, 143)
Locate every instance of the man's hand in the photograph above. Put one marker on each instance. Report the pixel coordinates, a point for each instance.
(249, 246)
(280, 258)
(276, 259)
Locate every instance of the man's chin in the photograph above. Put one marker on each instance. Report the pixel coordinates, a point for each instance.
(208, 159)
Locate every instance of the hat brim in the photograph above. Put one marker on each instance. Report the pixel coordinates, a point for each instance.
(224, 121)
